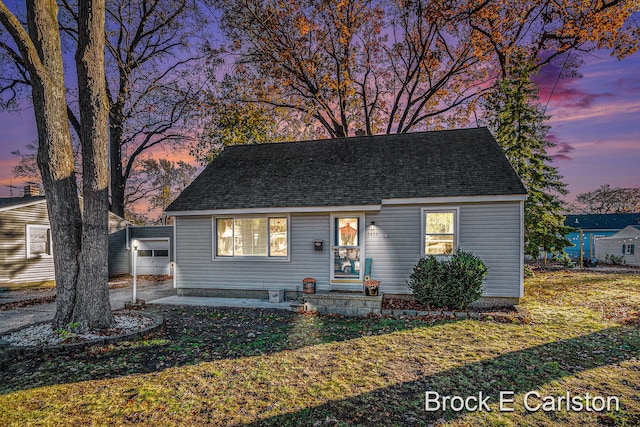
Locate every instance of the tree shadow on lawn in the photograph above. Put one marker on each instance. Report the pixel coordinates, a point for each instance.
(519, 371)
(193, 335)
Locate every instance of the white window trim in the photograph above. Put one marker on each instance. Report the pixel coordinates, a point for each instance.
(627, 248)
(30, 227)
(456, 225)
(156, 239)
(234, 258)
(361, 239)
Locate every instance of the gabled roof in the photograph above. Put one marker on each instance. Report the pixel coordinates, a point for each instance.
(7, 203)
(357, 171)
(629, 232)
(616, 221)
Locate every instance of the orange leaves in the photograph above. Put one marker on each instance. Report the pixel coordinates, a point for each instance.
(302, 24)
(549, 29)
(399, 64)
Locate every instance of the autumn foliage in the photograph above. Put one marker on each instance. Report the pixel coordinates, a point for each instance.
(405, 65)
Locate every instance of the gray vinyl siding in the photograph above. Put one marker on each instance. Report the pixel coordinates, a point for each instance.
(494, 233)
(394, 246)
(491, 230)
(15, 267)
(195, 267)
(118, 255)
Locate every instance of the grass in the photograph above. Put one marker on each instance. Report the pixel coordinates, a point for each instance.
(47, 284)
(261, 367)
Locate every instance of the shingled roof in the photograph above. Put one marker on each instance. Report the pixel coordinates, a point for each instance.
(353, 172)
(616, 221)
(7, 202)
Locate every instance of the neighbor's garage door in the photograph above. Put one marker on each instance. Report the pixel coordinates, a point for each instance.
(153, 257)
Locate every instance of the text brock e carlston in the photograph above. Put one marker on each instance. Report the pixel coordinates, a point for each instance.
(532, 401)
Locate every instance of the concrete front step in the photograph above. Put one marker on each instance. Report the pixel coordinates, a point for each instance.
(344, 304)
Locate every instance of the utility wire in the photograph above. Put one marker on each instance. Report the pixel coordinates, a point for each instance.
(557, 80)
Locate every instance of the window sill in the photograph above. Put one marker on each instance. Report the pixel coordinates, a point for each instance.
(251, 259)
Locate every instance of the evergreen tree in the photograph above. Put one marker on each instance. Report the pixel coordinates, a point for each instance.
(516, 119)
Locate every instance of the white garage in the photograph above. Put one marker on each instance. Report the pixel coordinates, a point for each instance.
(153, 257)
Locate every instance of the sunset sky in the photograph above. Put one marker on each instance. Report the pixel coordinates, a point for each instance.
(595, 120)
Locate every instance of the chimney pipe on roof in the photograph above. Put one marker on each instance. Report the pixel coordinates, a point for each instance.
(31, 190)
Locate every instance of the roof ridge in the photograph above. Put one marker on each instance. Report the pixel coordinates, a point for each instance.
(352, 137)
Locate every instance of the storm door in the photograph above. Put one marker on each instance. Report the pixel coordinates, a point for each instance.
(347, 249)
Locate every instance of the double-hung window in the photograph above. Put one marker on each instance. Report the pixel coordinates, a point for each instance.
(256, 237)
(38, 242)
(439, 231)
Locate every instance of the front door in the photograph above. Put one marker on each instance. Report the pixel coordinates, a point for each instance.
(347, 249)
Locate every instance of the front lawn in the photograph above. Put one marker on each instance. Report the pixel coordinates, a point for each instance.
(262, 367)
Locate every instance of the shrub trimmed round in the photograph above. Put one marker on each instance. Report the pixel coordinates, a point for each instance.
(454, 282)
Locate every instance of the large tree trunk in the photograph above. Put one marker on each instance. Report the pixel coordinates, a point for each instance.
(92, 309)
(79, 252)
(117, 177)
(55, 154)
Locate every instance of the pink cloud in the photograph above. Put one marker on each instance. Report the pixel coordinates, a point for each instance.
(566, 92)
(609, 112)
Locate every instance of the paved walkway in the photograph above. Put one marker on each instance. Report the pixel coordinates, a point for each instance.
(222, 302)
(146, 290)
(151, 292)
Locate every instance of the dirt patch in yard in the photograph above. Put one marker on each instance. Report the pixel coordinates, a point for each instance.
(409, 304)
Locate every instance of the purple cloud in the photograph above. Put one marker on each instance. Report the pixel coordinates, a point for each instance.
(561, 150)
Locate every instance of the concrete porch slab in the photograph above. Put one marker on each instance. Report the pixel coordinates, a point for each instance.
(345, 304)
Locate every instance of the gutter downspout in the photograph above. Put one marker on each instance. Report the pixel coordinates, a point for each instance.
(173, 264)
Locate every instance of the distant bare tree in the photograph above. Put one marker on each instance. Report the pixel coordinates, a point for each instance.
(27, 167)
(606, 199)
(160, 181)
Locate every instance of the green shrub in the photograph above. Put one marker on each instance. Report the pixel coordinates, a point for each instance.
(449, 283)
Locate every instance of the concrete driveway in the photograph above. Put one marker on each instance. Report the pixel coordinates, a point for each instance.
(146, 290)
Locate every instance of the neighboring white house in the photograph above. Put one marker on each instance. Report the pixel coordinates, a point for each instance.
(25, 240)
(622, 246)
(263, 217)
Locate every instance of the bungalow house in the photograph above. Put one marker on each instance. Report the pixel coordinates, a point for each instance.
(263, 217)
(595, 226)
(622, 247)
(25, 240)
